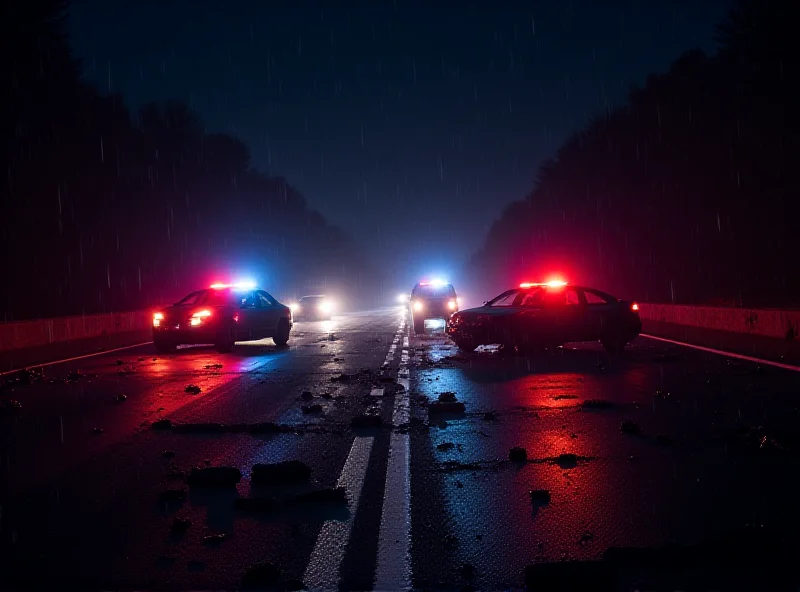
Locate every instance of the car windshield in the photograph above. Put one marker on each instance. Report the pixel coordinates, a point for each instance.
(435, 291)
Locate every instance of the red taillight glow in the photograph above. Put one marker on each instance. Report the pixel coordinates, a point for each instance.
(635, 307)
(157, 318)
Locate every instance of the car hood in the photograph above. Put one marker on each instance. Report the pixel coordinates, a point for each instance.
(488, 310)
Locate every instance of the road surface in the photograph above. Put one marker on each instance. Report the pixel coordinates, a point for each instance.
(661, 444)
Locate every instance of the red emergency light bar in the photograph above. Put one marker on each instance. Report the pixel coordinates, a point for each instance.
(551, 284)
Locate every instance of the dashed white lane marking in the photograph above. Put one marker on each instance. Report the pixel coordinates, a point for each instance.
(323, 571)
(394, 542)
(83, 357)
(726, 354)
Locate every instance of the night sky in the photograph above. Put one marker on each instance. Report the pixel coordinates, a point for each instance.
(409, 124)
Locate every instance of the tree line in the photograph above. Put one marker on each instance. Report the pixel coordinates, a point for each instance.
(103, 209)
(688, 193)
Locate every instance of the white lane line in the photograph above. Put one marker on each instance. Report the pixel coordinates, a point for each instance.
(64, 361)
(394, 541)
(322, 572)
(725, 353)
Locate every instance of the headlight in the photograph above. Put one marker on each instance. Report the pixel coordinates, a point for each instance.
(294, 307)
(451, 305)
(325, 307)
(402, 297)
(417, 305)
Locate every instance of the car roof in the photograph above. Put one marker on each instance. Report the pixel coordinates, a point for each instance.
(312, 296)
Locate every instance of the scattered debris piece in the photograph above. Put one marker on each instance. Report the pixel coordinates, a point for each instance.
(567, 460)
(386, 379)
(181, 524)
(199, 428)
(438, 407)
(9, 407)
(162, 424)
(447, 397)
(518, 454)
(560, 397)
(121, 397)
(260, 576)
(311, 409)
(173, 495)
(192, 389)
(289, 471)
(214, 477)
(366, 421)
(540, 496)
(307, 395)
(98, 430)
(586, 538)
(628, 426)
(212, 366)
(597, 404)
(327, 396)
(343, 378)
(444, 446)
(119, 362)
(490, 416)
(214, 539)
(168, 454)
(467, 571)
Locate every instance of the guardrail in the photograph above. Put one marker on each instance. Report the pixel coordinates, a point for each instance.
(33, 334)
(777, 323)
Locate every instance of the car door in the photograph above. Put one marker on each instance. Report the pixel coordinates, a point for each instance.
(270, 313)
(562, 316)
(250, 317)
(598, 309)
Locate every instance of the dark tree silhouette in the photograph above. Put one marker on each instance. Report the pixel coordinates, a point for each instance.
(103, 210)
(685, 194)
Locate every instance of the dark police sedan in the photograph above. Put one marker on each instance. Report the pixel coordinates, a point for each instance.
(535, 316)
(222, 315)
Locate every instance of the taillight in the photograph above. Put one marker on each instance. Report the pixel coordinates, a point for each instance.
(157, 318)
(635, 307)
(198, 317)
(451, 305)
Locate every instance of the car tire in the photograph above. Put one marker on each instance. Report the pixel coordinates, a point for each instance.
(164, 346)
(419, 327)
(282, 336)
(225, 341)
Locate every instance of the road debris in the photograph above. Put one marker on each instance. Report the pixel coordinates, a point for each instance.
(597, 404)
(366, 422)
(439, 408)
(173, 495)
(447, 397)
(214, 539)
(181, 524)
(214, 477)
(192, 389)
(539, 496)
(282, 473)
(628, 426)
(518, 454)
(311, 409)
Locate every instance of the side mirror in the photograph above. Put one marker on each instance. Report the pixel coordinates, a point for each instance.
(485, 302)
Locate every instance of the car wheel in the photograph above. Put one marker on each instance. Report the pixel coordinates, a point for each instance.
(225, 341)
(419, 327)
(282, 337)
(164, 346)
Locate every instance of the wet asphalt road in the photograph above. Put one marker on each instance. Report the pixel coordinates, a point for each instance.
(713, 447)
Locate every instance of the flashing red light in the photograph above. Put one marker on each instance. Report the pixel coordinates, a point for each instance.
(197, 318)
(550, 284)
(157, 318)
(634, 307)
(220, 286)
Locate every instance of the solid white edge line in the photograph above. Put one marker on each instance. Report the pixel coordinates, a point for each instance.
(725, 353)
(322, 571)
(393, 570)
(100, 353)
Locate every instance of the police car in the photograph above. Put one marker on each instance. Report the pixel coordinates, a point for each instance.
(222, 315)
(550, 314)
(434, 299)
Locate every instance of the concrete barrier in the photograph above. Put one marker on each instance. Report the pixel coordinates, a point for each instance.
(780, 324)
(35, 334)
